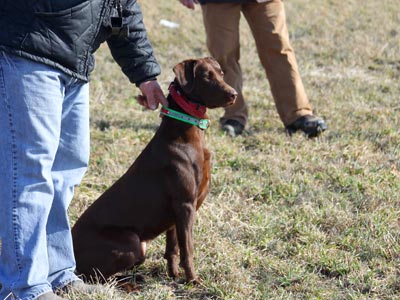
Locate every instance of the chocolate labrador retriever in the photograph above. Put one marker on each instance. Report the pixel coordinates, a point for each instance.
(163, 188)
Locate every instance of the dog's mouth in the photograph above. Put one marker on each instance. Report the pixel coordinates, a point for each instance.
(224, 104)
(231, 99)
(231, 102)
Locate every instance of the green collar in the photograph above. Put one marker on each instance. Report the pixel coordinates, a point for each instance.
(201, 123)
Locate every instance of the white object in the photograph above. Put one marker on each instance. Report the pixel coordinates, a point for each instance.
(169, 24)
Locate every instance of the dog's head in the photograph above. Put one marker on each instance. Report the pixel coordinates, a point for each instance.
(203, 81)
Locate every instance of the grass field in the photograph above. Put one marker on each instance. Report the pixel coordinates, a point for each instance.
(287, 218)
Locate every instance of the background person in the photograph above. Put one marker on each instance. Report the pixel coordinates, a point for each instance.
(267, 22)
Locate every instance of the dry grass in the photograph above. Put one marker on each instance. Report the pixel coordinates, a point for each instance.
(287, 218)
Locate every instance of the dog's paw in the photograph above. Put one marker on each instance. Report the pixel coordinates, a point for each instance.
(173, 267)
(193, 281)
(173, 272)
(129, 287)
(129, 283)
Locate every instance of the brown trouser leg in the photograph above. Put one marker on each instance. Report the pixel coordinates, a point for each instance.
(221, 22)
(268, 25)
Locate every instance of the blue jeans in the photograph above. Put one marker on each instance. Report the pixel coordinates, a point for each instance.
(44, 153)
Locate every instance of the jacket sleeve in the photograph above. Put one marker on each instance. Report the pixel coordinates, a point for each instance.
(134, 52)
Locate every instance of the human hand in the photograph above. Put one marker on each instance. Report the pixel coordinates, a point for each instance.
(189, 3)
(152, 95)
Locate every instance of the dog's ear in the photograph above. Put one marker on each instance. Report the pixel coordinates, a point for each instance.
(213, 62)
(210, 58)
(184, 73)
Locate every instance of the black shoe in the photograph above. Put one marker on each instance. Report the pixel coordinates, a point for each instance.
(311, 125)
(232, 127)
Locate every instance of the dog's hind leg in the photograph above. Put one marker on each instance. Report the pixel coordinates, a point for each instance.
(111, 252)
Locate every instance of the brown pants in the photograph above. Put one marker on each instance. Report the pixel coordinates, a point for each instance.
(267, 22)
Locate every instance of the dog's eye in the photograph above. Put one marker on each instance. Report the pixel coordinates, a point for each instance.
(219, 71)
(208, 75)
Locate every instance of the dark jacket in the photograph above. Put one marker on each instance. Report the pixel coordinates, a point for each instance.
(65, 34)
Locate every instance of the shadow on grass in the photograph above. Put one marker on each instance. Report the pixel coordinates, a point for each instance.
(148, 278)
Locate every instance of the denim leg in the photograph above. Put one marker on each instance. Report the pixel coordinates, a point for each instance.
(68, 169)
(31, 110)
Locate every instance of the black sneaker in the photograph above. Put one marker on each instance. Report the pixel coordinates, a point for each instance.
(311, 125)
(232, 127)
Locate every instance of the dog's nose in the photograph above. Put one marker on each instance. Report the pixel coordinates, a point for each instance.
(233, 95)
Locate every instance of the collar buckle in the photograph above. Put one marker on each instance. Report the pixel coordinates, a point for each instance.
(204, 124)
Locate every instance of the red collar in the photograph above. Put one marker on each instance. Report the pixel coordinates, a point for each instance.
(194, 109)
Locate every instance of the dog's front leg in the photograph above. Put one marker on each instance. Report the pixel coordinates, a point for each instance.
(172, 253)
(184, 230)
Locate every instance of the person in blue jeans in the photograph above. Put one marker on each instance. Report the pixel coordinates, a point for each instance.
(46, 57)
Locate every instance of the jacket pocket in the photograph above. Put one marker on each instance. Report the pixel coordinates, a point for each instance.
(64, 12)
(68, 34)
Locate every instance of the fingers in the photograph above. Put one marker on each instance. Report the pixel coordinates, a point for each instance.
(142, 101)
(152, 95)
(189, 3)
